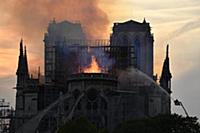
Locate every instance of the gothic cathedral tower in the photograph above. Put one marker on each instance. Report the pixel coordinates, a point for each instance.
(165, 82)
(22, 78)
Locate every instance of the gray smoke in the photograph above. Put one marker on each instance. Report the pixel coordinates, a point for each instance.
(192, 25)
(133, 79)
(82, 58)
(29, 20)
(103, 59)
(31, 17)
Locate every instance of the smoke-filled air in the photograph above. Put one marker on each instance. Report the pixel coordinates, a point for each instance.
(31, 18)
(192, 25)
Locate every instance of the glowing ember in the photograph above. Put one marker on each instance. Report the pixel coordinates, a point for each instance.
(93, 68)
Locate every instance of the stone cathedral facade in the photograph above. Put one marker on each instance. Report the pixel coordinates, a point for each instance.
(125, 90)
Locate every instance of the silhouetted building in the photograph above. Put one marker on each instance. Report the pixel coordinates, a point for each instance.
(56, 34)
(165, 81)
(27, 91)
(123, 90)
(137, 40)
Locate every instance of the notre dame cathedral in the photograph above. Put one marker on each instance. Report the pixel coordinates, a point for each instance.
(119, 84)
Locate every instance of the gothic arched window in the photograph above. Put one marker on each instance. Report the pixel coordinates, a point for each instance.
(137, 51)
(125, 40)
(137, 41)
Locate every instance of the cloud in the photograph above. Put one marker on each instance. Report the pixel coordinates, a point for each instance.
(192, 25)
(164, 5)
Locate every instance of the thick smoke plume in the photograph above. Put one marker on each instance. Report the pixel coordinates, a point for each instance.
(31, 17)
(83, 59)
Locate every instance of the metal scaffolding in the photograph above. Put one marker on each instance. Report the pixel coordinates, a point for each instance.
(6, 113)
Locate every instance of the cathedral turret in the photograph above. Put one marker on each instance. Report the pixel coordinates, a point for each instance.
(25, 62)
(144, 21)
(22, 70)
(165, 80)
(165, 83)
(20, 61)
(26, 90)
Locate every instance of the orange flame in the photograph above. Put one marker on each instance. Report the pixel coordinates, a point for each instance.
(93, 68)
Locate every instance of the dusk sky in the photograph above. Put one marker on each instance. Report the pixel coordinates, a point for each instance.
(176, 22)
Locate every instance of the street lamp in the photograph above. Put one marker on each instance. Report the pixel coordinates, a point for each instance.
(179, 103)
